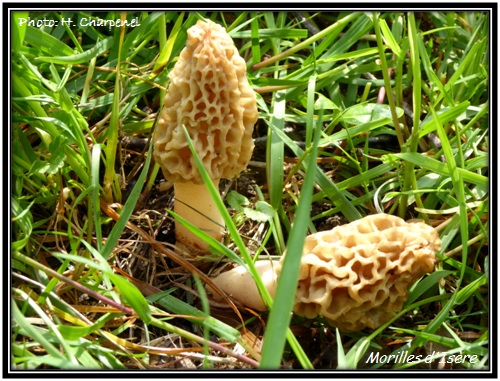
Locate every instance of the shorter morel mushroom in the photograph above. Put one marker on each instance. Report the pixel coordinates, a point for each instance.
(357, 275)
(210, 96)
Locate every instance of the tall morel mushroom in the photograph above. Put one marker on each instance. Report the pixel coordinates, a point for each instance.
(357, 275)
(209, 94)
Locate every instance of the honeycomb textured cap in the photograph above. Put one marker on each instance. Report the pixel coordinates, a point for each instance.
(210, 95)
(357, 275)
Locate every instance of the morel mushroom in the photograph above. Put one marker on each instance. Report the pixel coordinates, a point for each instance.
(357, 275)
(209, 94)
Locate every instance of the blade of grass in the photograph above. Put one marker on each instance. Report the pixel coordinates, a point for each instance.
(46, 43)
(338, 25)
(128, 208)
(99, 48)
(197, 339)
(168, 45)
(341, 356)
(256, 55)
(195, 315)
(390, 41)
(18, 29)
(273, 33)
(431, 74)
(458, 187)
(111, 191)
(275, 146)
(438, 167)
(233, 231)
(33, 332)
(387, 79)
(275, 151)
(446, 115)
(421, 287)
(275, 161)
(280, 315)
(70, 359)
(409, 173)
(332, 191)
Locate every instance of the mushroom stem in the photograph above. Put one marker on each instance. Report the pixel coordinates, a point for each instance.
(239, 284)
(195, 204)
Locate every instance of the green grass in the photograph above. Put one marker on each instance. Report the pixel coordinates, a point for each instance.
(375, 112)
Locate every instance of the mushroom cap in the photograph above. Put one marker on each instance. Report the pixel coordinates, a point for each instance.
(357, 275)
(210, 95)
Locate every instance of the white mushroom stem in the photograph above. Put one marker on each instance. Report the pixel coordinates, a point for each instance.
(240, 286)
(195, 204)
